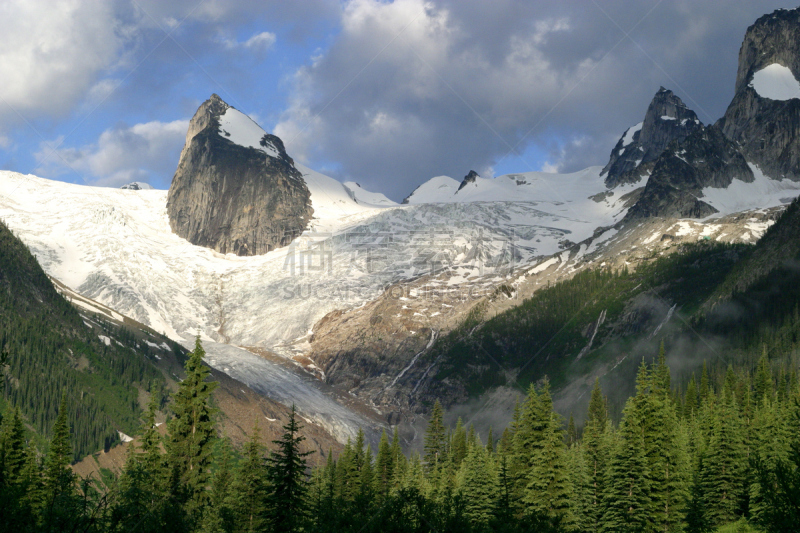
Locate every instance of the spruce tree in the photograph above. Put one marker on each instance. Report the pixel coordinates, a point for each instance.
(251, 487)
(596, 451)
(458, 444)
(13, 449)
(435, 438)
(192, 435)
(384, 465)
(477, 483)
(626, 496)
(763, 378)
(59, 481)
(548, 491)
(287, 475)
(722, 479)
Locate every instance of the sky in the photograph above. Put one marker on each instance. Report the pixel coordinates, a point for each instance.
(387, 94)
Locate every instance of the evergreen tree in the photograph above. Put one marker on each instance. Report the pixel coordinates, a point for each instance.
(435, 438)
(626, 496)
(572, 433)
(287, 474)
(59, 480)
(458, 445)
(192, 435)
(722, 478)
(691, 401)
(596, 451)
(13, 449)
(384, 467)
(251, 488)
(477, 483)
(221, 498)
(549, 491)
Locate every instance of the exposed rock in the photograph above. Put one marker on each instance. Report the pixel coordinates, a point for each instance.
(767, 130)
(234, 198)
(469, 178)
(704, 159)
(667, 120)
(137, 186)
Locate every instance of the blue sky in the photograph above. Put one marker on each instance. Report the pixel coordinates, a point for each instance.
(388, 94)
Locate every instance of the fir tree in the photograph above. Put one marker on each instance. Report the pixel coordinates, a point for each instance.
(723, 476)
(596, 452)
(763, 378)
(384, 466)
(192, 434)
(626, 496)
(477, 483)
(251, 487)
(287, 474)
(435, 438)
(458, 445)
(549, 491)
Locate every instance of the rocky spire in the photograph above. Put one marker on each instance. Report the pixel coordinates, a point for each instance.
(236, 190)
(469, 178)
(767, 130)
(667, 119)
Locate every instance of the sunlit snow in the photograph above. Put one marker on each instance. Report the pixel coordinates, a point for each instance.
(776, 82)
(242, 130)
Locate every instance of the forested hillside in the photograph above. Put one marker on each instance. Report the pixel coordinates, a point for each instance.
(602, 322)
(723, 456)
(53, 352)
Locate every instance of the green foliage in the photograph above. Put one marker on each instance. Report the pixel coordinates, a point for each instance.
(542, 335)
(51, 352)
(192, 434)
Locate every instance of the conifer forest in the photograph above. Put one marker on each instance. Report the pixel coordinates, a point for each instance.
(722, 456)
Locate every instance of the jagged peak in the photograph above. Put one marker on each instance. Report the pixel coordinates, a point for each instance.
(469, 178)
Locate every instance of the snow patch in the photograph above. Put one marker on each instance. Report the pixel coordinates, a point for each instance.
(762, 193)
(776, 82)
(628, 137)
(242, 130)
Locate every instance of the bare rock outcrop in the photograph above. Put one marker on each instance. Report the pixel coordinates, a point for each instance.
(236, 190)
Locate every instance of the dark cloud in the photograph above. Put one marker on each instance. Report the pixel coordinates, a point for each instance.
(409, 90)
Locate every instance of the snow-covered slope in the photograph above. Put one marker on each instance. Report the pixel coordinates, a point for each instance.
(364, 197)
(761, 193)
(118, 249)
(435, 190)
(242, 130)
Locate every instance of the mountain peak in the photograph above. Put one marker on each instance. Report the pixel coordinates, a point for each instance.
(469, 178)
(236, 190)
(667, 119)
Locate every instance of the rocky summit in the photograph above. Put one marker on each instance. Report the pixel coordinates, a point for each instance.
(764, 115)
(667, 120)
(236, 190)
(704, 159)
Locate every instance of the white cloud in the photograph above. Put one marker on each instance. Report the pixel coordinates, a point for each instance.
(52, 52)
(260, 42)
(405, 93)
(143, 152)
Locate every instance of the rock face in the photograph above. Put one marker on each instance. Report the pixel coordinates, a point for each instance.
(767, 130)
(469, 178)
(667, 120)
(137, 186)
(704, 159)
(236, 190)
